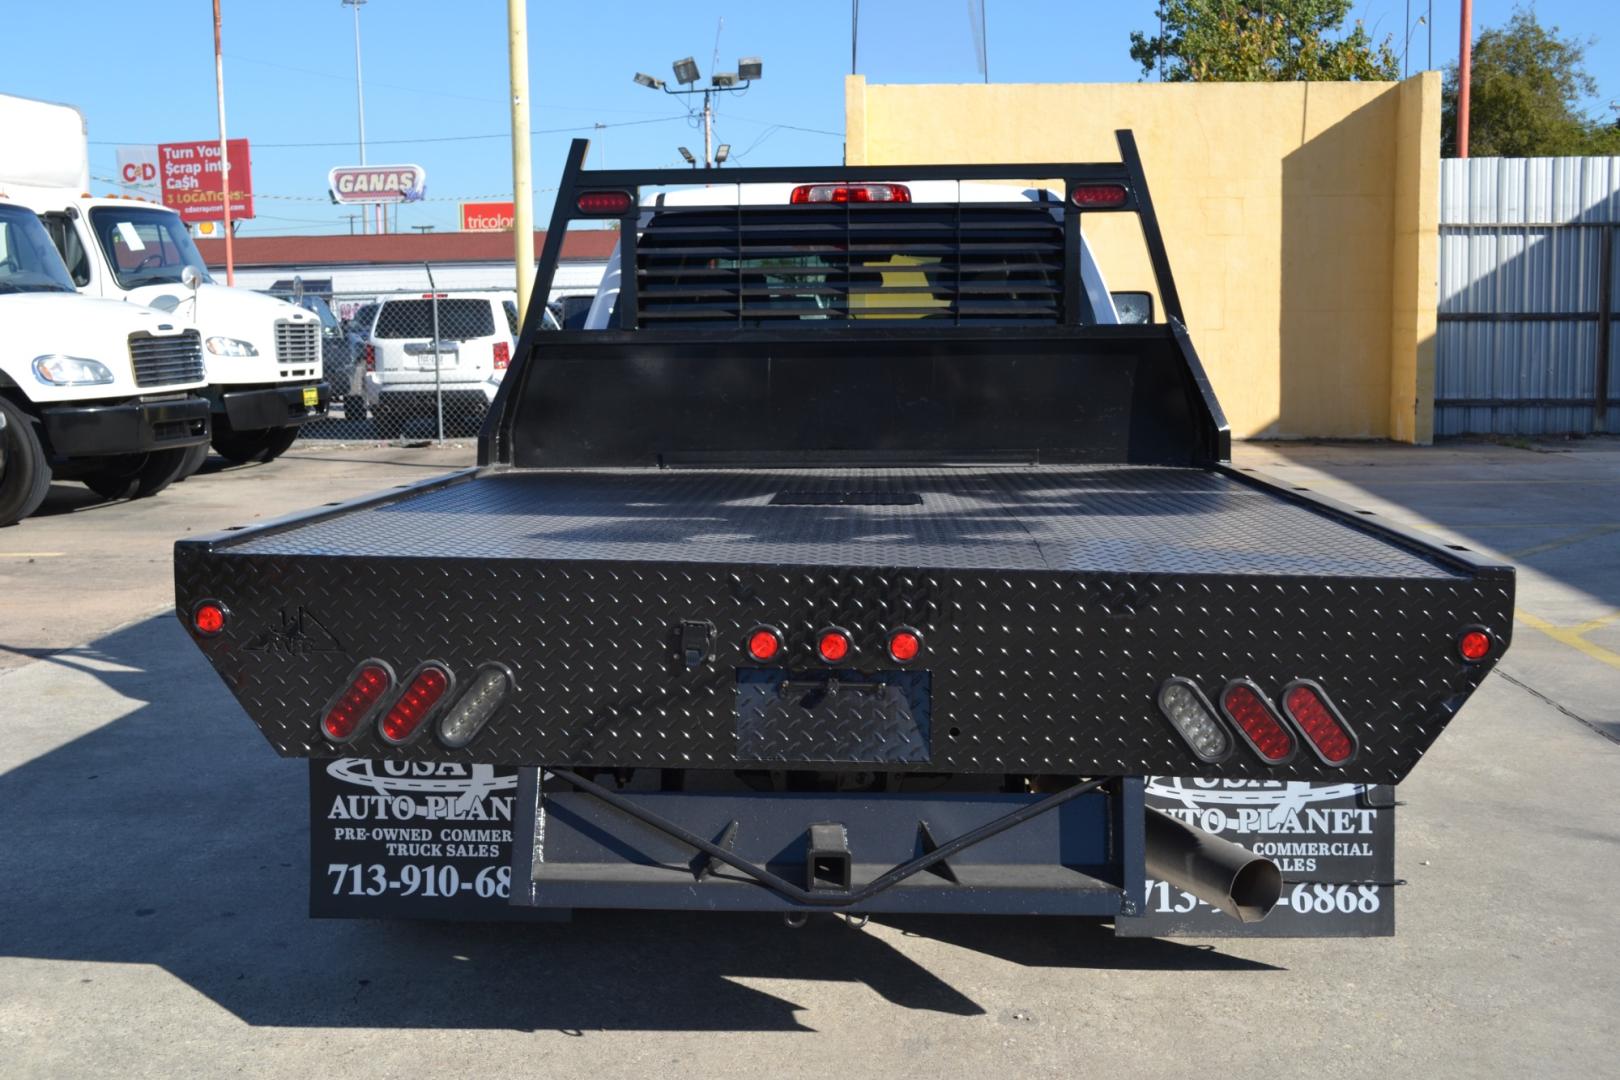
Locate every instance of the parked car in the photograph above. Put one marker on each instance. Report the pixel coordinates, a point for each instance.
(351, 386)
(409, 370)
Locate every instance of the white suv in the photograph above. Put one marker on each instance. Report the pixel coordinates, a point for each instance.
(408, 370)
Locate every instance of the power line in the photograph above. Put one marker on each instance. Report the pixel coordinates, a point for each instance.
(432, 138)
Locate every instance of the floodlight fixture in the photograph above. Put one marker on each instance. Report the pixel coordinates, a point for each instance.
(723, 79)
(687, 154)
(648, 81)
(722, 152)
(750, 68)
(686, 71)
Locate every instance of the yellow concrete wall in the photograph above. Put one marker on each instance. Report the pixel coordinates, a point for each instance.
(1299, 218)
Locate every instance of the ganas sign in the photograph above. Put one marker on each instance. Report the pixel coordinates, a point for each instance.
(376, 183)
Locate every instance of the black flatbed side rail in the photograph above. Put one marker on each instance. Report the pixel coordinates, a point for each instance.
(1452, 556)
(236, 534)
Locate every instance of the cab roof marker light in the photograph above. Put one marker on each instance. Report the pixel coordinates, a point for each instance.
(346, 714)
(486, 692)
(1319, 720)
(1194, 719)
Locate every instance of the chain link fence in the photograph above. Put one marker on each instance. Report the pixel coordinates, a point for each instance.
(411, 364)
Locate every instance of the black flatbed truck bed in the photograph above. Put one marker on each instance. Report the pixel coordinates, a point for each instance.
(1046, 508)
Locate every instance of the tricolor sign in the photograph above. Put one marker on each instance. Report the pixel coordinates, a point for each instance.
(486, 217)
(376, 183)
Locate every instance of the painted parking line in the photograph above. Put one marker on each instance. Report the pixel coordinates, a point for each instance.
(1553, 545)
(1574, 636)
(31, 554)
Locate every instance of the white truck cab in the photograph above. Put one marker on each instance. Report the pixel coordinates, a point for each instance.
(263, 355)
(92, 390)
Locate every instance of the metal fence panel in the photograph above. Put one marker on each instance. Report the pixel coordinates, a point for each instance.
(1528, 296)
(416, 363)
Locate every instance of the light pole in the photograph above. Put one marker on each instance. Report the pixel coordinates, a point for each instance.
(749, 68)
(224, 151)
(360, 97)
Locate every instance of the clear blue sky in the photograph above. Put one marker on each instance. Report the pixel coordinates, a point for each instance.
(436, 71)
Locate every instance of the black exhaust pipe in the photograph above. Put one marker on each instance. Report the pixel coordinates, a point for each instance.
(1220, 873)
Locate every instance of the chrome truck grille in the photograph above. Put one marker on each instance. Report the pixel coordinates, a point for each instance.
(298, 343)
(165, 361)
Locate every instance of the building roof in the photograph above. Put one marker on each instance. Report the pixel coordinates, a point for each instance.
(583, 245)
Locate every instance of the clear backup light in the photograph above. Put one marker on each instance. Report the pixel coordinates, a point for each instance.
(485, 694)
(1191, 714)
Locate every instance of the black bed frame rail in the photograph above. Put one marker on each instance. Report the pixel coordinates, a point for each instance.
(496, 443)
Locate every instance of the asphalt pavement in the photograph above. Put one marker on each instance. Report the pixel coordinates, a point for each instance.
(154, 877)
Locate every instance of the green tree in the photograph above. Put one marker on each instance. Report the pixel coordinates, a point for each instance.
(1527, 85)
(1262, 41)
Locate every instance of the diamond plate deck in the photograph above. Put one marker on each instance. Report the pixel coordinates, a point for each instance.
(1045, 662)
(1102, 519)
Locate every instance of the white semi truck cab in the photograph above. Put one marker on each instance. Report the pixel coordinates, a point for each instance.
(263, 355)
(93, 390)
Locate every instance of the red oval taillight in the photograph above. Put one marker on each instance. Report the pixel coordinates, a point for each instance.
(1258, 722)
(358, 700)
(422, 694)
(1309, 708)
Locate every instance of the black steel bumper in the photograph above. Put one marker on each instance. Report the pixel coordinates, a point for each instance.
(134, 427)
(1078, 851)
(272, 406)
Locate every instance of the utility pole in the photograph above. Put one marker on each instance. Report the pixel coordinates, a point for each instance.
(517, 32)
(224, 153)
(1465, 75)
(360, 100)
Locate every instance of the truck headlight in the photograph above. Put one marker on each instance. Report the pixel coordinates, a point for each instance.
(229, 346)
(54, 369)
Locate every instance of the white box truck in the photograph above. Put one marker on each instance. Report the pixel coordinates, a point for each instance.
(263, 355)
(92, 390)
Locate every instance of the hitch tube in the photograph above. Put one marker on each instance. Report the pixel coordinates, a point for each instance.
(1220, 873)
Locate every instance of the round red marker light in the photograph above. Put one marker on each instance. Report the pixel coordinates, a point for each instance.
(904, 645)
(1475, 645)
(832, 645)
(208, 618)
(764, 643)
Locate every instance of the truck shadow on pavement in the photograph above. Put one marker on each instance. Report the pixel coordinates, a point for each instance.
(166, 833)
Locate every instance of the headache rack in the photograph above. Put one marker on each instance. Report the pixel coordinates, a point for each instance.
(966, 328)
